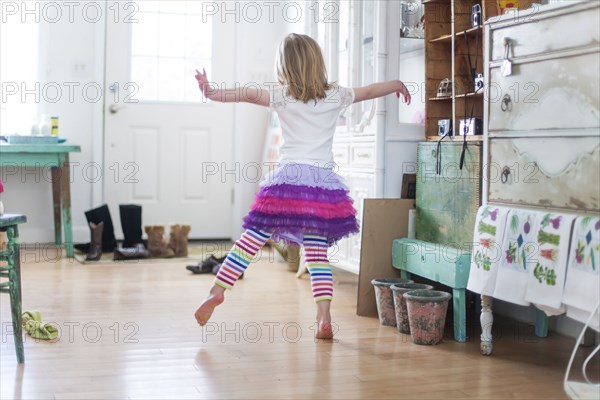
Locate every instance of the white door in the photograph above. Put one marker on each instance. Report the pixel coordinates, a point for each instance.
(164, 147)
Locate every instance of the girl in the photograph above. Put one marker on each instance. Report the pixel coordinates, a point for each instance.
(303, 201)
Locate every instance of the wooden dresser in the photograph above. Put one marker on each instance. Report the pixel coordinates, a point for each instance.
(541, 121)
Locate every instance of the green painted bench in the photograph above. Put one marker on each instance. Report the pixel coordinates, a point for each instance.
(438, 263)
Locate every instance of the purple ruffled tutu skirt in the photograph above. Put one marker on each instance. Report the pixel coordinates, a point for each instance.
(299, 199)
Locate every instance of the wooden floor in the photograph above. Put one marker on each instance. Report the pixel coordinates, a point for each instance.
(127, 331)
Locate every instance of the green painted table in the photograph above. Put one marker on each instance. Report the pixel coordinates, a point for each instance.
(12, 271)
(55, 157)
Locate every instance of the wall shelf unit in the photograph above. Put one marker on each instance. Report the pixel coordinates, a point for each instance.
(450, 41)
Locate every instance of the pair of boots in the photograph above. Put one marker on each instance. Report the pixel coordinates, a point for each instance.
(103, 235)
(177, 246)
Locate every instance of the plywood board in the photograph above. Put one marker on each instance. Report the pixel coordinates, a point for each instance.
(383, 221)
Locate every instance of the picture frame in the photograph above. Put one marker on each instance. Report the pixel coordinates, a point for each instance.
(409, 186)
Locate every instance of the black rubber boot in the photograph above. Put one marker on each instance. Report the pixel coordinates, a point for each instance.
(131, 223)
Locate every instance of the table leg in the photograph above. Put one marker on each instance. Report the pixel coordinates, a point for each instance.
(56, 204)
(459, 303)
(65, 188)
(487, 321)
(404, 274)
(14, 273)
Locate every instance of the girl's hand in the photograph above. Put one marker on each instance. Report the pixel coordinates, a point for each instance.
(405, 95)
(202, 80)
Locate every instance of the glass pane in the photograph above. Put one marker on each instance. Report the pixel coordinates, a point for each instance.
(148, 6)
(344, 54)
(19, 45)
(144, 35)
(412, 62)
(321, 26)
(412, 73)
(343, 43)
(367, 43)
(172, 35)
(172, 6)
(368, 59)
(168, 44)
(411, 14)
(171, 73)
(196, 7)
(144, 75)
(198, 38)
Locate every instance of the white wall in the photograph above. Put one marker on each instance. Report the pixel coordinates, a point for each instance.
(400, 158)
(62, 45)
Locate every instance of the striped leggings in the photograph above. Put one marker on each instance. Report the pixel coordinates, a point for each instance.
(249, 244)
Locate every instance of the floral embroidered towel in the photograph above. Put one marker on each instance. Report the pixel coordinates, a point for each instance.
(519, 249)
(486, 254)
(582, 288)
(546, 279)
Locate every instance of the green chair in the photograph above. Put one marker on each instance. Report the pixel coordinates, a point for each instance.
(12, 270)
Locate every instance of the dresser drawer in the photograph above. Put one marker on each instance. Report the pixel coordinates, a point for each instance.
(341, 154)
(555, 172)
(549, 94)
(544, 33)
(362, 155)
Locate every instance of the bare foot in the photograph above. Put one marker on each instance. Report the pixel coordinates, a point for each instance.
(215, 297)
(324, 328)
(325, 331)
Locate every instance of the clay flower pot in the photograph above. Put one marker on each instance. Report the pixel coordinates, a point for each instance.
(427, 315)
(398, 291)
(385, 300)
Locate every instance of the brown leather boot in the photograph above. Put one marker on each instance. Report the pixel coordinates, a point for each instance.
(173, 242)
(178, 239)
(95, 251)
(157, 246)
(182, 239)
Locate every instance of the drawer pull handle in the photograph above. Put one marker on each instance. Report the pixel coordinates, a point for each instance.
(505, 174)
(506, 104)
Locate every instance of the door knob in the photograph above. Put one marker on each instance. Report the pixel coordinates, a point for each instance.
(506, 104)
(113, 108)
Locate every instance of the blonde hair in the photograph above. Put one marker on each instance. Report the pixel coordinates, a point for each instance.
(301, 67)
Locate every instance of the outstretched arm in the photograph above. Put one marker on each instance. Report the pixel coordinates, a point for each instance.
(246, 94)
(381, 89)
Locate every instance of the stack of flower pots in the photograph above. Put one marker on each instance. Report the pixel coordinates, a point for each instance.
(413, 308)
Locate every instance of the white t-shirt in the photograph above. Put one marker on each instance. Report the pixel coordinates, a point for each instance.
(308, 128)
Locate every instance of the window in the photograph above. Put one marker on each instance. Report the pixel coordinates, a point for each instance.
(162, 63)
(349, 43)
(19, 68)
(343, 56)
